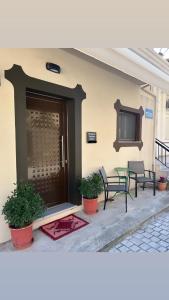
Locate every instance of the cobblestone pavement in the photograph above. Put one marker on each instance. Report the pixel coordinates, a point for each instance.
(153, 236)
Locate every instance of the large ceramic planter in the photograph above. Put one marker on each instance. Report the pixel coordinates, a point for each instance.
(22, 237)
(162, 186)
(90, 206)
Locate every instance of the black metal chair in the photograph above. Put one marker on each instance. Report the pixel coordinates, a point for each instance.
(113, 186)
(138, 173)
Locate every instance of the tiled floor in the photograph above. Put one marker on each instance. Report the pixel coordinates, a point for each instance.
(152, 237)
(105, 226)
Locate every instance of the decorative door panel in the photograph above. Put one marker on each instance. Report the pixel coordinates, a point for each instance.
(46, 142)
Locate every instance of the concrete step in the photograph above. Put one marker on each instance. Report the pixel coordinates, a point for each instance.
(161, 170)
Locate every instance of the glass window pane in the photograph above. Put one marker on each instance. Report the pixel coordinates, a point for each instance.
(127, 128)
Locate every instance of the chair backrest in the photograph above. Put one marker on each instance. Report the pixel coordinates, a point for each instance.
(103, 174)
(136, 166)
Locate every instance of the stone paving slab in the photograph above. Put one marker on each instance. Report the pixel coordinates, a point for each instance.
(107, 226)
(137, 242)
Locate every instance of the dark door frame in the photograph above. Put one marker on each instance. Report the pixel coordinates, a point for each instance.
(73, 96)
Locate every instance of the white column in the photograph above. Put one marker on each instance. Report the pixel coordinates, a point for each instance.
(163, 127)
(158, 112)
(161, 113)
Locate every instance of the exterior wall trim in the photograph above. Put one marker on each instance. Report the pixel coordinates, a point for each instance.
(74, 96)
(140, 112)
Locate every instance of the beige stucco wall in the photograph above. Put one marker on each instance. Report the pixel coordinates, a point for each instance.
(167, 126)
(102, 88)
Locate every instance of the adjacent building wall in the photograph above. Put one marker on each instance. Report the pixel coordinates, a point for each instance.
(102, 86)
(167, 126)
(162, 121)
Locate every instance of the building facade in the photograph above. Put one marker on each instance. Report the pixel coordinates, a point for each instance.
(46, 118)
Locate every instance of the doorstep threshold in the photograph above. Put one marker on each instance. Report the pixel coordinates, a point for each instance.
(56, 213)
(58, 208)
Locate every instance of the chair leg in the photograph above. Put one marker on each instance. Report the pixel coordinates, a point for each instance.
(105, 200)
(154, 188)
(104, 204)
(126, 201)
(135, 188)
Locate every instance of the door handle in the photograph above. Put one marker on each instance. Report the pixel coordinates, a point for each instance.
(62, 153)
(63, 160)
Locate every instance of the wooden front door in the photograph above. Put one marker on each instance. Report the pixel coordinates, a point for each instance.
(47, 147)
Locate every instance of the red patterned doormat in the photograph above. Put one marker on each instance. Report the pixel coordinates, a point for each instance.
(63, 226)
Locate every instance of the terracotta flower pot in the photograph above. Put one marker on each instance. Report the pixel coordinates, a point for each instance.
(22, 237)
(162, 186)
(90, 206)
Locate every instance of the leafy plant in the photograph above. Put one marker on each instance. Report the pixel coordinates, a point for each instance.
(23, 206)
(91, 186)
(162, 179)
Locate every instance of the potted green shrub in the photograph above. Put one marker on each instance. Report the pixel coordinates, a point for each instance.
(162, 183)
(90, 188)
(22, 207)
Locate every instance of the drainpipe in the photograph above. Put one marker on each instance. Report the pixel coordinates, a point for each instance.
(155, 119)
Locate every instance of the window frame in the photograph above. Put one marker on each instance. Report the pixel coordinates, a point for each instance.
(118, 143)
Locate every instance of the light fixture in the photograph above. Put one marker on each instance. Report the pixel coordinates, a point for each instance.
(53, 67)
(160, 53)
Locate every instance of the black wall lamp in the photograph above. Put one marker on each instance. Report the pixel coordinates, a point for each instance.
(53, 67)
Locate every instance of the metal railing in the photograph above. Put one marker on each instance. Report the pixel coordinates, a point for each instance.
(162, 152)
